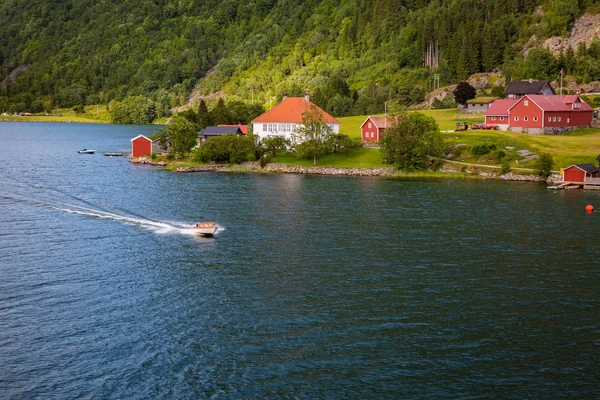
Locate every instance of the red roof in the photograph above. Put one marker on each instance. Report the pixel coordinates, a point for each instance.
(500, 107)
(559, 103)
(290, 110)
(380, 122)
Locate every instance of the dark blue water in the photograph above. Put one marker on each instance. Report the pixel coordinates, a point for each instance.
(314, 287)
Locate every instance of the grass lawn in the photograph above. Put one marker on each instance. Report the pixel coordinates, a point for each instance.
(357, 158)
(92, 114)
(580, 146)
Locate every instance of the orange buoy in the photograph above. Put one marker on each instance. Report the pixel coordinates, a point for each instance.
(589, 208)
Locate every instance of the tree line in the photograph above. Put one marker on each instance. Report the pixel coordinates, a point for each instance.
(352, 55)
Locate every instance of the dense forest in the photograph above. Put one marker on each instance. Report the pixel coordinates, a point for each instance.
(350, 55)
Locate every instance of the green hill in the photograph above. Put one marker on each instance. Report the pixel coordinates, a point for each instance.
(351, 55)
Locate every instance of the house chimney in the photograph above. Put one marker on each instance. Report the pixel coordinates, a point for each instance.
(307, 98)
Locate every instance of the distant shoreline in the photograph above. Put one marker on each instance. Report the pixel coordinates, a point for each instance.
(388, 172)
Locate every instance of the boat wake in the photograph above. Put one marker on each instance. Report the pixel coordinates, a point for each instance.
(51, 198)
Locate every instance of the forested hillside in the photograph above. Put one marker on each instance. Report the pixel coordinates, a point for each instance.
(351, 55)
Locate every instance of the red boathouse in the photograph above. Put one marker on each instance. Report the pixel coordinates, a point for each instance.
(141, 146)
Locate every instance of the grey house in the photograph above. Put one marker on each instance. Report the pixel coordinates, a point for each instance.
(518, 89)
(212, 131)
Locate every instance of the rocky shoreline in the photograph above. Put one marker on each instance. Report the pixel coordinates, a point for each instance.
(384, 172)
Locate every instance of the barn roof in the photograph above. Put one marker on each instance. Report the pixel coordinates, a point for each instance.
(526, 87)
(559, 103)
(290, 110)
(500, 107)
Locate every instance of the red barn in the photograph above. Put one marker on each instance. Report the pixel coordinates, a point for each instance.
(541, 113)
(141, 146)
(580, 172)
(373, 128)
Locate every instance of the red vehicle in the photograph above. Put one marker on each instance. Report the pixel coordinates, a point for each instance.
(484, 126)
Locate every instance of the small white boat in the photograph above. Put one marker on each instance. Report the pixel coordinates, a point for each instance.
(86, 151)
(205, 228)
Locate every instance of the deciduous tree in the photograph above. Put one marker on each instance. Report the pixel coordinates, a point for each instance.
(411, 141)
(310, 137)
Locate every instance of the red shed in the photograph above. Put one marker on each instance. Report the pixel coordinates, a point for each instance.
(141, 146)
(373, 128)
(579, 172)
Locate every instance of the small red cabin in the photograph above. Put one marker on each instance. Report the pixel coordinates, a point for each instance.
(141, 146)
(579, 172)
(373, 128)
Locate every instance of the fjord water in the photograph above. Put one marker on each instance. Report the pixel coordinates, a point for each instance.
(314, 287)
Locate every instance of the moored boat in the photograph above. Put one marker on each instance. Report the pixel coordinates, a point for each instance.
(205, 228)
(86, 151)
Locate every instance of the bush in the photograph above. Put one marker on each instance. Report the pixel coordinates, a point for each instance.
(500, 155)
(226, 148)
(481, 149)
(79, 109)
(264, 160)
(505, 166)
(543, 165)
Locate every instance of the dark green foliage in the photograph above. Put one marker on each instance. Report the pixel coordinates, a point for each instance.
(79, 109)
(543, 165)
(220, 115)
(505, 166)
(182, 135)
(96, 52)
(225, 148)
(481, 149)
(412, 142)
(133, 110)
(275, 144)
(498, 91)
(342, 144)
(463, 92)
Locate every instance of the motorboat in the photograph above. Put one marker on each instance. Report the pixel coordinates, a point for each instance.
(205, 228)
(86, 151)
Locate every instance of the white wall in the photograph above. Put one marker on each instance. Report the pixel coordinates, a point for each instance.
(265, 130)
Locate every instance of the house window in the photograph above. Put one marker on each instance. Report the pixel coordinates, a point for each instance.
(501, 118)
(526, 119)
(493, 118)
(516, 118)
(264, 127)
(535, 118)
(568, 120)
(553, 119)
(372, 134)
(558, 119)
(576, 105)
(526, 103)
(549, 119)
(369, 125)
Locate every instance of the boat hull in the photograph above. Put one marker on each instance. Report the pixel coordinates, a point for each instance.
(206, 229)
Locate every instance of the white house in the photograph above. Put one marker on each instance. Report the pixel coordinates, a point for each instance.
(283, 119)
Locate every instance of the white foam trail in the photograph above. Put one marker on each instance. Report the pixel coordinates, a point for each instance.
(40, 200)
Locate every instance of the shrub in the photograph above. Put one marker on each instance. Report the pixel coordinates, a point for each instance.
(543, 165)
(500, 155)
(481, 149)
(264, 160)
(505, 166)
(226, 148)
